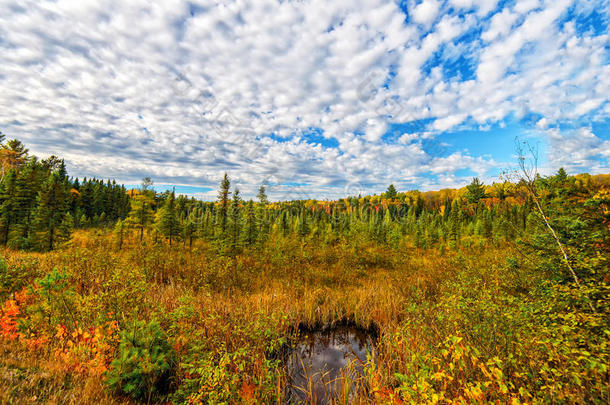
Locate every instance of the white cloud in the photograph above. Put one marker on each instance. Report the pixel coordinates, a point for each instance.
(185, 90)
(426, 11)
(577, 150)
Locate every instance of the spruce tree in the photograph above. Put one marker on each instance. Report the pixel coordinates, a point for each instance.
(8, 204)
(119, 232)
(223, 200)
(26, 194)
(475, 191)
(302, 224)
(168, 224)
(251, 228)
(391, 192)
(235, 224)
(52, 222)
(141, 213)
(190, 230)
(262, 214)
(13, 155)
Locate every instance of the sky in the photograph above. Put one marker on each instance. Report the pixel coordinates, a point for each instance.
(313, 99)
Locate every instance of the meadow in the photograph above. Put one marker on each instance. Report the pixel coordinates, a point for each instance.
(475, 324)
(487, 294)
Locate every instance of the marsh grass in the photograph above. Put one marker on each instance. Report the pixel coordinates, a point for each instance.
(470, 324)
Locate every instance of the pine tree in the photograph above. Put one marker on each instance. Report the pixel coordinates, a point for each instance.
(302, 224)
(26, 194)
(251, 228)
(235, 224)
(223, 209)
(8, 204)
(168, 224)
(391, 192)
(454, 223)
(262, 196)
(262, 214)
(475, 191)
(284, 223)
(13, 155)
(119, 232)
(190, 230)
(141, 213)
(52, 221)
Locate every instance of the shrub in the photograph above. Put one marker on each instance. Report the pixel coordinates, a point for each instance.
(145, 362)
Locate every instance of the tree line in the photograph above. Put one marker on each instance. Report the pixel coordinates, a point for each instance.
(40, 204)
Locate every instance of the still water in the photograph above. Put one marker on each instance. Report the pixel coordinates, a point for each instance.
(323, 359)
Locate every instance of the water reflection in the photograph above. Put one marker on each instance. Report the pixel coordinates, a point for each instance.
(323, 360)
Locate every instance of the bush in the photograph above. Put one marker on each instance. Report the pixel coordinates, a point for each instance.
(145, 362)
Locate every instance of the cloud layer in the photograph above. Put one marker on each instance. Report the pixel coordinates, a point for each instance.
(313, 98)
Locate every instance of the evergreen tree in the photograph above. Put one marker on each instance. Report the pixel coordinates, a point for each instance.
(26, 194)
(52, 221)
(119, 232)
(262, 196)
(261, 214)
(454, 223)
(251, 228)
(141, 213)
(8, 204)
(190, 230)
(223, 200)
(303, 224)
(475, 191)
(235, 225)
(391, 192)
(168, 224)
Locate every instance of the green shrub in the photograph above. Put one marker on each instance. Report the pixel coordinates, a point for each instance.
(145, 362)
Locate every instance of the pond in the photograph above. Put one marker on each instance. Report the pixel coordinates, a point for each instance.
(327, 364)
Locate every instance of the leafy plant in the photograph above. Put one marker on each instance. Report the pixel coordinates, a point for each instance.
(145, 362)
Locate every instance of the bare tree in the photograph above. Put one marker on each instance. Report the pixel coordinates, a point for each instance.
(527, 156)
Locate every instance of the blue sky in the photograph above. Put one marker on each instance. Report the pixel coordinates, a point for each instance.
(314, 99)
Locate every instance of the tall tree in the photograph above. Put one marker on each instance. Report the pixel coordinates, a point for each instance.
(119, 232)
(52, 220)
(168, 224)
(141, 213)
(13, 155)
(190, 229)
(235, 224)
(8, 204)
(391, 192)
(475, 191)
(223, 200)
(26, 192)
(251, 228)
(262, 196)
(262, 214)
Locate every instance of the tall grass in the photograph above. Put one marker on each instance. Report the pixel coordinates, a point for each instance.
(477, 324)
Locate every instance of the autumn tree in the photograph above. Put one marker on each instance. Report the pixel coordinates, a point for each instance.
(13, 155)
(141, 214)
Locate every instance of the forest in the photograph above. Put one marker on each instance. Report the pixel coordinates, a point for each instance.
(486, 294)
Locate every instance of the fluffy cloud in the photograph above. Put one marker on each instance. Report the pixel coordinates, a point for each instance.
(426, 11)
(301, 95)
